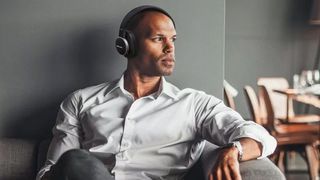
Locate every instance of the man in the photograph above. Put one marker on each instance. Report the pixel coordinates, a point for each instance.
(143, 127)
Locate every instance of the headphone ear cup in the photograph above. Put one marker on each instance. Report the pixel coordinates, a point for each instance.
(122, 46)
(132, 44)
(126, 44)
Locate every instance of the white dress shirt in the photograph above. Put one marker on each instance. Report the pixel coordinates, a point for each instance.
(158, 136)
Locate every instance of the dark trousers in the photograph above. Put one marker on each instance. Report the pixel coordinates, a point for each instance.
(78, 164)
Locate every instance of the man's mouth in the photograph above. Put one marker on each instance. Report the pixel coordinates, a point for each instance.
(168, 61)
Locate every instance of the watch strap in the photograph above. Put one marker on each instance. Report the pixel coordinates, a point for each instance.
(238, 145)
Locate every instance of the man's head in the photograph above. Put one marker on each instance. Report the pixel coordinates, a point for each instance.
(151, 32)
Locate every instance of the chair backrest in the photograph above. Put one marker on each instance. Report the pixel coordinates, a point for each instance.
(253, 105)
(270, 116)
(278, 101)
(229, 99)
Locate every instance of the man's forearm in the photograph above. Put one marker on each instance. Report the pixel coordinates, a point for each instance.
(251, 149)
(228, 166)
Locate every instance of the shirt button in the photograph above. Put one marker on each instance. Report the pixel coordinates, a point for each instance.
(125, 144)
(120, 155)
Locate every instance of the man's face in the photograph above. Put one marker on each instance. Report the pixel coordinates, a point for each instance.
(155, 36)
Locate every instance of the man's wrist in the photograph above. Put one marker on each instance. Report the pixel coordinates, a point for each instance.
(238, 145)
(239, 148)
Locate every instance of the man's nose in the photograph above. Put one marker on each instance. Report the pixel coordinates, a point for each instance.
(168, 46)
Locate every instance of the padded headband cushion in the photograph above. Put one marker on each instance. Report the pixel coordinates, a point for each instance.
(138, 10)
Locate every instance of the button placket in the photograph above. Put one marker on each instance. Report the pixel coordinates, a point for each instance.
(125, 142)
(122, 156)
(127, 134)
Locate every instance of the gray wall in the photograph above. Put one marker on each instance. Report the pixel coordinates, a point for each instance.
(267, 38)
(50, 48)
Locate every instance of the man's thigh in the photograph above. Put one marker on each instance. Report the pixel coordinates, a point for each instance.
(78, 164)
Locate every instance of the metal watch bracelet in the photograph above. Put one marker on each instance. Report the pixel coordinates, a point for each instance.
(238, 145)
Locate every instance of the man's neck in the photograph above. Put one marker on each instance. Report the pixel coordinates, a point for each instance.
(140, 85)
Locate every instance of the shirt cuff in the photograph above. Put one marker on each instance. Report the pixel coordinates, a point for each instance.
(261, 135)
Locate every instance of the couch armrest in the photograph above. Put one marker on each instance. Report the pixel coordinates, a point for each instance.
(17, 158)
(262, 169)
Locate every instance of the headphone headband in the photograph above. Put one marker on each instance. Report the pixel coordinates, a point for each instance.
(128, 17)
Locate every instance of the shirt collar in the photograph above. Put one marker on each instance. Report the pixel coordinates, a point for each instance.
(164, 88)
(114, 85)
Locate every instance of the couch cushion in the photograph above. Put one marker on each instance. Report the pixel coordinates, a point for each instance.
(17, 159)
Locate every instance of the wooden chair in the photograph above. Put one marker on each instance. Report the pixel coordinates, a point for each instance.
(228, 99)
(302, 138)
(253, 105)
(279, 101)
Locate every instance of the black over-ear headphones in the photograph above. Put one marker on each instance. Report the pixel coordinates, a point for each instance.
(126, 43)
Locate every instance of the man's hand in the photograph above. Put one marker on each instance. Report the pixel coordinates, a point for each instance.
(227, 166)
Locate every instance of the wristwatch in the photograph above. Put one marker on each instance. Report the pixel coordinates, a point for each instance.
(237, 145)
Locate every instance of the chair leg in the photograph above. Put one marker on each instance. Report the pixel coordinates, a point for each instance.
(292, 156)
(286, 161)
(281, 161)
(312, 161)
(274, 157)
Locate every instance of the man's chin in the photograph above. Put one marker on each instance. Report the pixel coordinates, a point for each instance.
(164, 71)
(167, 73)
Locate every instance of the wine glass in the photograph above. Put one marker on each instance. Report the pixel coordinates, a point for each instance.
(309, 77)
(316, 76)
(303, 79)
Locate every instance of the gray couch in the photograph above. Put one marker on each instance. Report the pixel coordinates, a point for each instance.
(20, 159)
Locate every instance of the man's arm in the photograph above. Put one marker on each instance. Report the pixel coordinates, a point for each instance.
(221, 125)
(227, 165)
(251, 149)
(66, 134)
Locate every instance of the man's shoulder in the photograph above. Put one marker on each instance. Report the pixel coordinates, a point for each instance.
(186, 91)
(199, 98)
(95, 90)
(195, 94)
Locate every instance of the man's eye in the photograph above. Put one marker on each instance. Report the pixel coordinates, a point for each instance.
(174, 39)
(158, 39)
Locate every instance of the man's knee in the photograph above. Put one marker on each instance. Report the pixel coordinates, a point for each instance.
(74, 155)
(80, 164)
(78, 158)
(70, 161)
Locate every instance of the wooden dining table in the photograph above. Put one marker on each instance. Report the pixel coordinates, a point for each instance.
(300, 96)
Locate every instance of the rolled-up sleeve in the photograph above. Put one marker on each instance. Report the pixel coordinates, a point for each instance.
(66, 132)
(221, 125)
